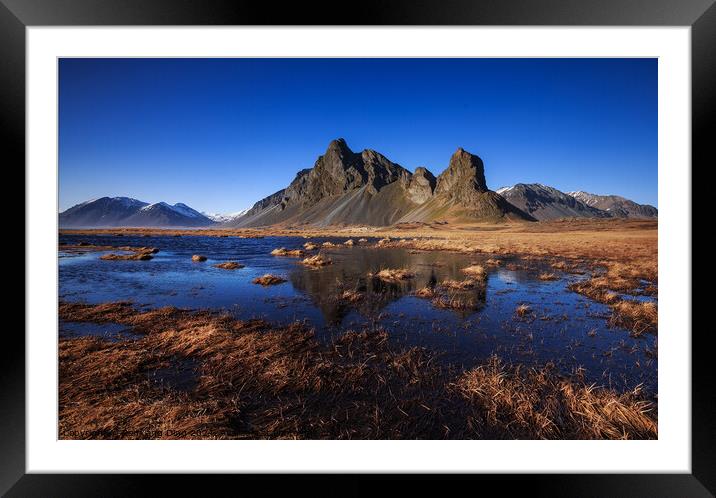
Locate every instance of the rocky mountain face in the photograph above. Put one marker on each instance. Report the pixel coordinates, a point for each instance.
(346, 187)
(127, 212)
(616, 206)
(421, 185)
(547, 203)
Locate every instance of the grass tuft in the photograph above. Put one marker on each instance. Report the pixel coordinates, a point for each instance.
(317, 261)
(292, 253)
(229, 265)
(394, 274)
(268, 279)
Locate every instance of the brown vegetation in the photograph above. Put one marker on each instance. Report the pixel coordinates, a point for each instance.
(635, 316)
(198, 258)
(523, 310)
(352, 296)
(136, 253)
(317, 261)
(455, 301)
(310, 246)
(229, 265)
(139, 256)
(394, 274)
(466, 284)
(426, 292)
(268, 279)
(519, 403)
(547, 276)
(252, 380)
(293, 253)
(475, 271)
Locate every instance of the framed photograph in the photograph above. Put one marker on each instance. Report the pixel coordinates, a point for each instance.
(436, 239)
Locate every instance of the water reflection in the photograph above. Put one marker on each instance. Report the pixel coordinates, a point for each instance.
(463, 325)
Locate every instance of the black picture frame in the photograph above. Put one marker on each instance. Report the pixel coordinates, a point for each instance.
(700, 15)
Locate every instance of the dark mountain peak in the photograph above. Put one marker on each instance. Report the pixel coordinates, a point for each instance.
(421, 185)
(338, 151)
(367, 188)
(464, 176)
(423, 171)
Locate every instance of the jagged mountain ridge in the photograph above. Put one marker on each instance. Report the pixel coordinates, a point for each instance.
(615, 205)
(346, 187)
(546, 203)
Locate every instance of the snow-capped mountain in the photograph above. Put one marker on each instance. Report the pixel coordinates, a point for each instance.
(615, 205)
(127, 212)
(105, 211)
(547, 203)
(225, 217)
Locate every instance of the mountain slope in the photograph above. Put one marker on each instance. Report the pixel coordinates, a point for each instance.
(162, 214)
(126, 212)
(105, 211)
(345, 187)
(547, 203)
(616, 206)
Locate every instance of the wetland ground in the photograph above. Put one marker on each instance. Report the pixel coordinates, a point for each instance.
(394, 334)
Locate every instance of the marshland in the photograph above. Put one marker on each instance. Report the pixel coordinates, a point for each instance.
(402, 333)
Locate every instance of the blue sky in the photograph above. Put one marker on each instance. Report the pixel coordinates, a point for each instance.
(219, 134)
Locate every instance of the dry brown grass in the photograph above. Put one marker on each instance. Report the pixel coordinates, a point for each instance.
(198, 258)
(466, 284)
(456, 301)
(362, 240)
(475, 271)
(635, 316)
(519, 403)
(229, 265)
(348, 242)
(523, 310)
(136, 253)
(394, 274)
(268, 279)
(352, 296)
(140, 256)
(310, 246)
(328, 244)
(293, 253)
(253, 380)
(317, 261)
(426, 292)
(493, 262)
(547, 276)
(86, 247)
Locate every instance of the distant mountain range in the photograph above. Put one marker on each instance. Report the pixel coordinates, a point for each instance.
(547, 203)
(224, 218)
(348, 188)
(616, 206)
(124, 211)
